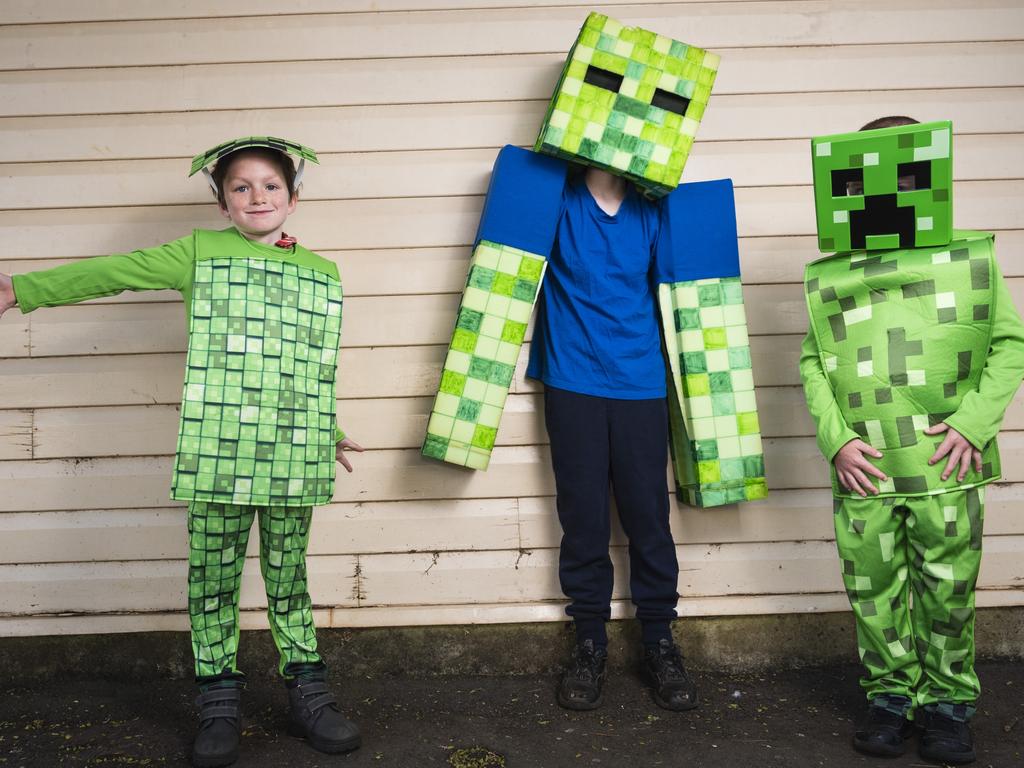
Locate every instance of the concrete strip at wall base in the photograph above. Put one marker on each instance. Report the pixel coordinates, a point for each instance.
(734, 643)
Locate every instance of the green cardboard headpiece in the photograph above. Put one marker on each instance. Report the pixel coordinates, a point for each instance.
(884, 189)
(629, 102)
(204, 160)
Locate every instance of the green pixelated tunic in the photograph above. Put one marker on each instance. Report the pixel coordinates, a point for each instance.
(258, 408)
(900, 341)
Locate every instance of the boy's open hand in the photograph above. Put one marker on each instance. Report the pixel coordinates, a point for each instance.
(960, 451)
(7, 299)
(346, 445)
(852, 468)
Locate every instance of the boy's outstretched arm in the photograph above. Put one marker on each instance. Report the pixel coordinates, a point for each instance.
(162, 267)
(7, 298)
(981, 411)
(839, 444)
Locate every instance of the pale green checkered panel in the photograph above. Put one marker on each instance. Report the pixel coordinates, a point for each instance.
(496, 306)
(630, 102)
(258, 408)
(716, 438)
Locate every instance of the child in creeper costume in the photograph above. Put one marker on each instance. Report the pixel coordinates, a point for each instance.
(258, 436)
(914, 352)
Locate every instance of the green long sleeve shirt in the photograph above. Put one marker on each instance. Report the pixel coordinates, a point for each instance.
(170, 266)
(981, 410)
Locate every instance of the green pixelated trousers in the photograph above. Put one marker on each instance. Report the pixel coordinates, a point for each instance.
(927, 547)
(218, 536)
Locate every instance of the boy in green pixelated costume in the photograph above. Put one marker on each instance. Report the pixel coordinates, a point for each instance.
(914, 352)
(257, 434)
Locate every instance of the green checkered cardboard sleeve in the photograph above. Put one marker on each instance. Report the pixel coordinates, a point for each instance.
(629, 101)
(258, 408)
(716, 438)
(496, 306)
(903, 336)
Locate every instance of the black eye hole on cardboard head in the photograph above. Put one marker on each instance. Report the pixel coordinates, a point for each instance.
(847, 181)
(671, 102)
(911, 176)
(602, 78)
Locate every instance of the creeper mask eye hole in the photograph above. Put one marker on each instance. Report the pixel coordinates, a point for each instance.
(911, 176)
(672, 102)
(849, 181)
(602, 78)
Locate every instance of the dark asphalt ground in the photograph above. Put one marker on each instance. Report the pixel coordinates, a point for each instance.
(789, 718)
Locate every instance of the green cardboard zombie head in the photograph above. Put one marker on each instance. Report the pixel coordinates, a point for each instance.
(884, 189)
(204, 160)
(629, 101)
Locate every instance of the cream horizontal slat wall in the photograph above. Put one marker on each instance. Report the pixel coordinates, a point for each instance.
(101, 106)
(385, 127)
(515, 31)
(472, 78)
(27, 12)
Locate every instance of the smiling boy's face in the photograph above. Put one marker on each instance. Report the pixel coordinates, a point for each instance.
(256, 198)
(629, 102)
(884, 189)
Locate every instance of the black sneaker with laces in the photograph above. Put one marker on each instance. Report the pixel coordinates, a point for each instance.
(664, 670)
(945, 739)
(581, 683)
(882, 732)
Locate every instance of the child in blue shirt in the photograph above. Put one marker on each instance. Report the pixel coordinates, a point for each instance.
(597, 348)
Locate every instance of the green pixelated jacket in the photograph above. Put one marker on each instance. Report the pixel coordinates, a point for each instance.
(902, 340)
(258, 408)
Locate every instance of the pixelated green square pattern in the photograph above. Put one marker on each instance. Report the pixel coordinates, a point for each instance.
(903, 336)
(629, 101)
(884, 189)
(496, 306)
(258, 408)
(716, 437)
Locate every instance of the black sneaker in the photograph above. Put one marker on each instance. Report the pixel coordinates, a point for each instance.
(581, 684)
(664, 670)
(882, 732)
(220, 725)
(945, 739)
(314, 716)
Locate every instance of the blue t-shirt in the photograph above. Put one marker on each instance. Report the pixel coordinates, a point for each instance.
(597, 327)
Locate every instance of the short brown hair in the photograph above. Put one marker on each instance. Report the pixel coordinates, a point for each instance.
(280, 159)
(889, 122)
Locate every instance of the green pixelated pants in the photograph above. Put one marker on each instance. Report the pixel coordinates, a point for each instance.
(924, 549)
(218, 536)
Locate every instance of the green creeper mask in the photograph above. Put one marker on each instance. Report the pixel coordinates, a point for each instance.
(884, 189)
(629, 102)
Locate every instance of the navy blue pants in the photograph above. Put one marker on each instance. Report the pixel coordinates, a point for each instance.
(597, 442)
